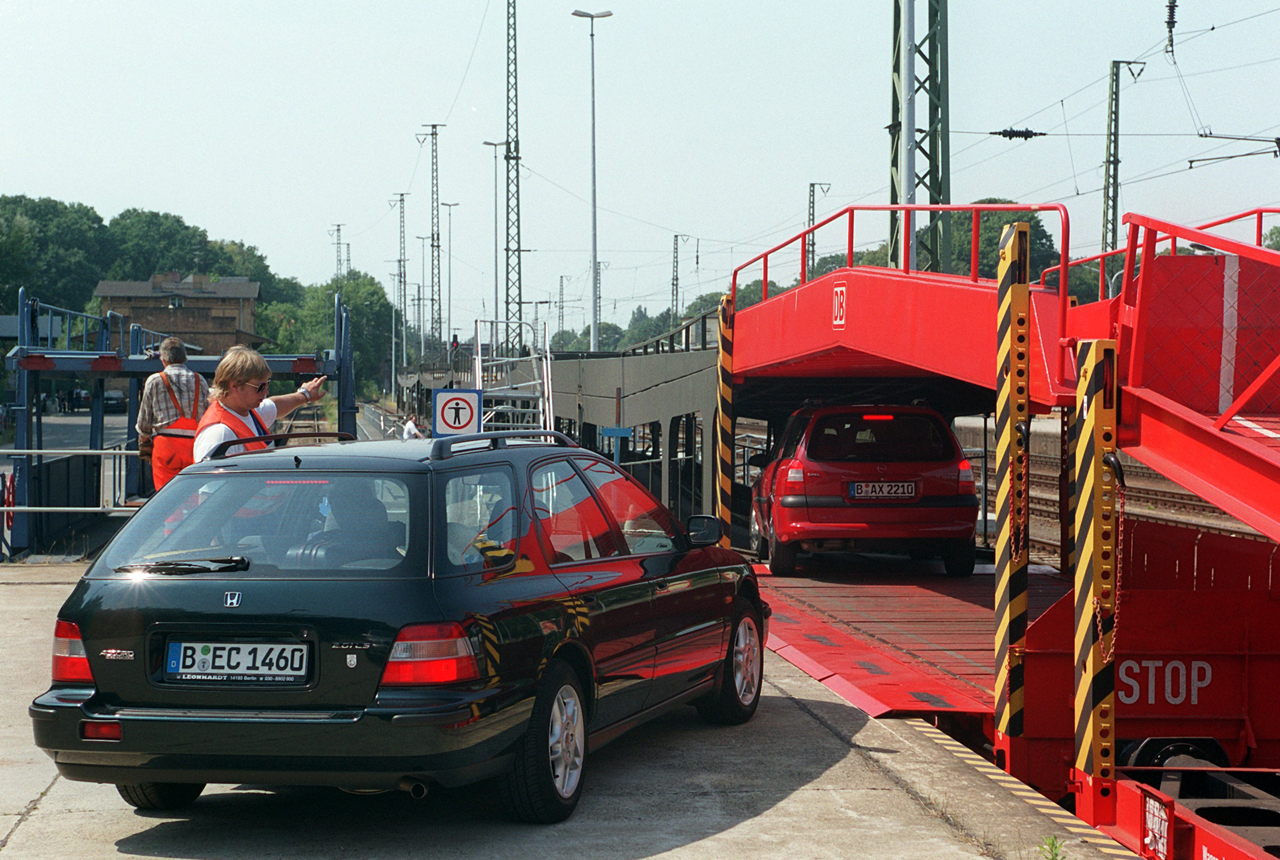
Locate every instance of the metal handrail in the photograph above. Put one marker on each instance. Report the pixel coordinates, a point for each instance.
(1172, 239)
(1153, 229)
(642, 348)
(72, 452)
(907, 211)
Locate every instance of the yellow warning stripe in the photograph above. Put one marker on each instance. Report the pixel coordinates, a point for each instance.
(1013, 408)
(1033, 798)
(1095, 556)
(724, 422)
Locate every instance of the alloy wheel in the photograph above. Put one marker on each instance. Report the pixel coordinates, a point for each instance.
(566, 741)
(746, 660)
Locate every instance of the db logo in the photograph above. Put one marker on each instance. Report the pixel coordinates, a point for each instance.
(838, 307)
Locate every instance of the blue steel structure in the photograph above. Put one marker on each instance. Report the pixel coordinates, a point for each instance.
(97, 352)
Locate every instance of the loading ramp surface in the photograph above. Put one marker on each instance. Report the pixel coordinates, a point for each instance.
(899, 636)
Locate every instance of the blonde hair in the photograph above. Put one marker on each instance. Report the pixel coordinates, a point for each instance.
(239, 364)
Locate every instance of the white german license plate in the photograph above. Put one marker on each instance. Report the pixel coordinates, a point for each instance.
(883, 490)
(236, 662)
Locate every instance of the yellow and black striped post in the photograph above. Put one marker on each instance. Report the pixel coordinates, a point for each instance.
(1013, 422)
(724, 422)
(1096, 535)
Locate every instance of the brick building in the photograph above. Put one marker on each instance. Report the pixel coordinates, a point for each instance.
(210, 314)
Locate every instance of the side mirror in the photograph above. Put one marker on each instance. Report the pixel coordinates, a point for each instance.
(759, 460)
(704, 530)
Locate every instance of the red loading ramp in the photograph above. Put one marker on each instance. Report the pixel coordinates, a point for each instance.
(880, 334)
(905, 638)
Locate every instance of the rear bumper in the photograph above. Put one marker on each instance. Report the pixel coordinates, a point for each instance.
(791, 525)
(442, 737)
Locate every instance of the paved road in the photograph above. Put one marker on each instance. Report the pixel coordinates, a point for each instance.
(72, 430)
(810, 776)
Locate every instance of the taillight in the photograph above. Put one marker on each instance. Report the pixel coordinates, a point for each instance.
(792, 478)
(70, 663)
(965, 487)
(101, 730)
(431, 654)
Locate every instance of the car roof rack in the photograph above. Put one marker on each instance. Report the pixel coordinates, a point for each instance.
(220, 452)
(442, 447)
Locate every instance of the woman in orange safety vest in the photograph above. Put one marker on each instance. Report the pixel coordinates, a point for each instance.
(239, 407)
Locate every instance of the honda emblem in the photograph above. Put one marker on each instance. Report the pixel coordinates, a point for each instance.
(231, 599)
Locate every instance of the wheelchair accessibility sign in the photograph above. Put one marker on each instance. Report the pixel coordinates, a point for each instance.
(455, 411)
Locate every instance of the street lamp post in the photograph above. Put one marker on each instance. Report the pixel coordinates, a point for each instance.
(422, 337)
(448, 335)
(497, 214)
(595, 268)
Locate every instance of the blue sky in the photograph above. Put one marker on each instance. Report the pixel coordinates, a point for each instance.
(271, 122)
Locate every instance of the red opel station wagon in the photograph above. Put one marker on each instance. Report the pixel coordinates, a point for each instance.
(865, 479)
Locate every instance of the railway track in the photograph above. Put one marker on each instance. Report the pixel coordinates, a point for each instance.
(1148, 496)
(308, 419)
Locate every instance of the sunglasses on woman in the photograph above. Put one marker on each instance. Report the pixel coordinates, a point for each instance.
(261, 387)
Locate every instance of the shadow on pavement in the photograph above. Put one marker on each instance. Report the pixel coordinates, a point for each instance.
(670, 783)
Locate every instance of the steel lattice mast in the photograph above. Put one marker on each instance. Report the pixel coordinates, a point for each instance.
(403, 291)
(436, 306)
(1111, 169)
(513, 307)
(920, 157)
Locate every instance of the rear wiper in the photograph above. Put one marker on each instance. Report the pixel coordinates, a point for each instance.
(195, 565)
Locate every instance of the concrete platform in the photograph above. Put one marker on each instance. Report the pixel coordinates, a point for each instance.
(810, 776)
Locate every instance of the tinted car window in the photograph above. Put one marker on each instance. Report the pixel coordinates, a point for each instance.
(574, 526)
(646, 525)
(879, 438)
(279, 522)
(791, 436)
(479, 520)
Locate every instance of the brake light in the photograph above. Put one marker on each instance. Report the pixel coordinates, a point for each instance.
(877, 417)
(431, 654)
(793, 479)
(965, 486)
(70, 663)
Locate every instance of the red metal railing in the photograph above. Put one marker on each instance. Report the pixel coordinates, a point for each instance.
(1149, 232)
(1097, 259)
(908, 231)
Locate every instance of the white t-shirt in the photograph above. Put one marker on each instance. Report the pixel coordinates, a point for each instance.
(215, 434)
(410, 431)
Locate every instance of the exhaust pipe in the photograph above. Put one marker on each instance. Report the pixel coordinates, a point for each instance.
(417, 788)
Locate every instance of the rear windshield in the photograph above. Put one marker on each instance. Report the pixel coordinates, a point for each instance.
(330, 525)
(880, 438)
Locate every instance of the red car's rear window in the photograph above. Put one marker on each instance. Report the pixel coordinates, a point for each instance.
(880, 438)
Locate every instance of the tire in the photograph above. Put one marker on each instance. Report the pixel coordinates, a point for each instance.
(160, 795)
(959, 558)
(782, 558)
(743, 674)
(759, 545)
(546, 779)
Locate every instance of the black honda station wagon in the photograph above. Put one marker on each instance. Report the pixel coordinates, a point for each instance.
(386, 615)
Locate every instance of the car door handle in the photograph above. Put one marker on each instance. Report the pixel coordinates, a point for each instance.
(660, 585)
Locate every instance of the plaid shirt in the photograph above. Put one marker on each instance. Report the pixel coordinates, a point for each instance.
(156, 411)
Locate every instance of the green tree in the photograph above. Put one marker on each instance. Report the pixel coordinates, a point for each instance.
(150, 242)
(1043, 254)
(16, 253)
(563, 340)
(1272, 239)
(308, 326)
(66, 246)
(237, 258)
